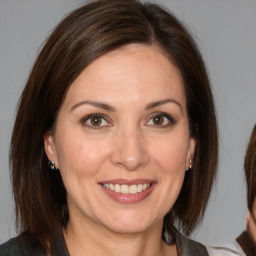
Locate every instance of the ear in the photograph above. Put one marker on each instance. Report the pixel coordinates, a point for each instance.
(49, 148)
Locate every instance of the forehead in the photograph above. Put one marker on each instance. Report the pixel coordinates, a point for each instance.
(137, 71)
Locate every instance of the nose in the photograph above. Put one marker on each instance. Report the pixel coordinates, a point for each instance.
(130, 151)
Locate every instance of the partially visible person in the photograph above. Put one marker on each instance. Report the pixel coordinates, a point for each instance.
(247, 240)
(245, 244)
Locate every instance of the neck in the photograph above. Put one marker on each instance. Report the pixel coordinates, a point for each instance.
(93, 239)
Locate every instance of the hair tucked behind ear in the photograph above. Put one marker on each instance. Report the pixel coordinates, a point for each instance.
(84, 35)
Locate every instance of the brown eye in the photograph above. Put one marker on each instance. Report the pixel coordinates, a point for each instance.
(95, 120)
(161, 120)
(158, 120)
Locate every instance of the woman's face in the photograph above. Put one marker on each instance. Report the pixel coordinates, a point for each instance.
(122, 141)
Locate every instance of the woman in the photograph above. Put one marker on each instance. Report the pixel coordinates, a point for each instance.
(114, 149)
(247, 240)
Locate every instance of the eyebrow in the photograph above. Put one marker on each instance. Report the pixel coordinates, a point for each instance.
(162, 102)
(113, 109)
(94, 104)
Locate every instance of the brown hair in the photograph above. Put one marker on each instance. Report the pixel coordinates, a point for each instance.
(250, 171)
(87, 33)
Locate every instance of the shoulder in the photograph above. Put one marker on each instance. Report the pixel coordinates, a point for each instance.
(231, 248)
(11, 247)
(19, 246)
(223, 251)
(190, 247)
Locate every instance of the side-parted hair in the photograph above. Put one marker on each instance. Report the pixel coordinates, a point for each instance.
(250, 171)
(84, 35)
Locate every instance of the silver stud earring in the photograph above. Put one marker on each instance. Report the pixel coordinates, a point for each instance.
(190, 163)
(51, 165)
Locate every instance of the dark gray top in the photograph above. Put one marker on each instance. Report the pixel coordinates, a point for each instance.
(21, 246)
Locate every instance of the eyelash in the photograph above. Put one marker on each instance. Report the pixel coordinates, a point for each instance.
(170, 120)
(87, 118)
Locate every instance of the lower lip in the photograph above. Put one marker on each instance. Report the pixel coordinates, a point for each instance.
(129, 198)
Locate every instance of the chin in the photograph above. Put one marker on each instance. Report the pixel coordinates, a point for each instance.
(125, 228)
(130, 224)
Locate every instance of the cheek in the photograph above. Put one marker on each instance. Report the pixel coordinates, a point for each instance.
(80, 156)
(171, 155)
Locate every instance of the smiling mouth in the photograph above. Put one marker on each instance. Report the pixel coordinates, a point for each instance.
(126, 189)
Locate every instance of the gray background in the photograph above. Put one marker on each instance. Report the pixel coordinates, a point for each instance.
(226, 34)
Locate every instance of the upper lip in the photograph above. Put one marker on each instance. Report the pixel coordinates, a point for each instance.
(128, 182)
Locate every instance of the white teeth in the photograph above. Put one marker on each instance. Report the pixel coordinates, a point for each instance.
(117, 188)
(144, 186)
(126, 189)
(133, 189)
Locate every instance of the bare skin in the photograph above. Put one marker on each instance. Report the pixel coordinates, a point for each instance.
(117, 244)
